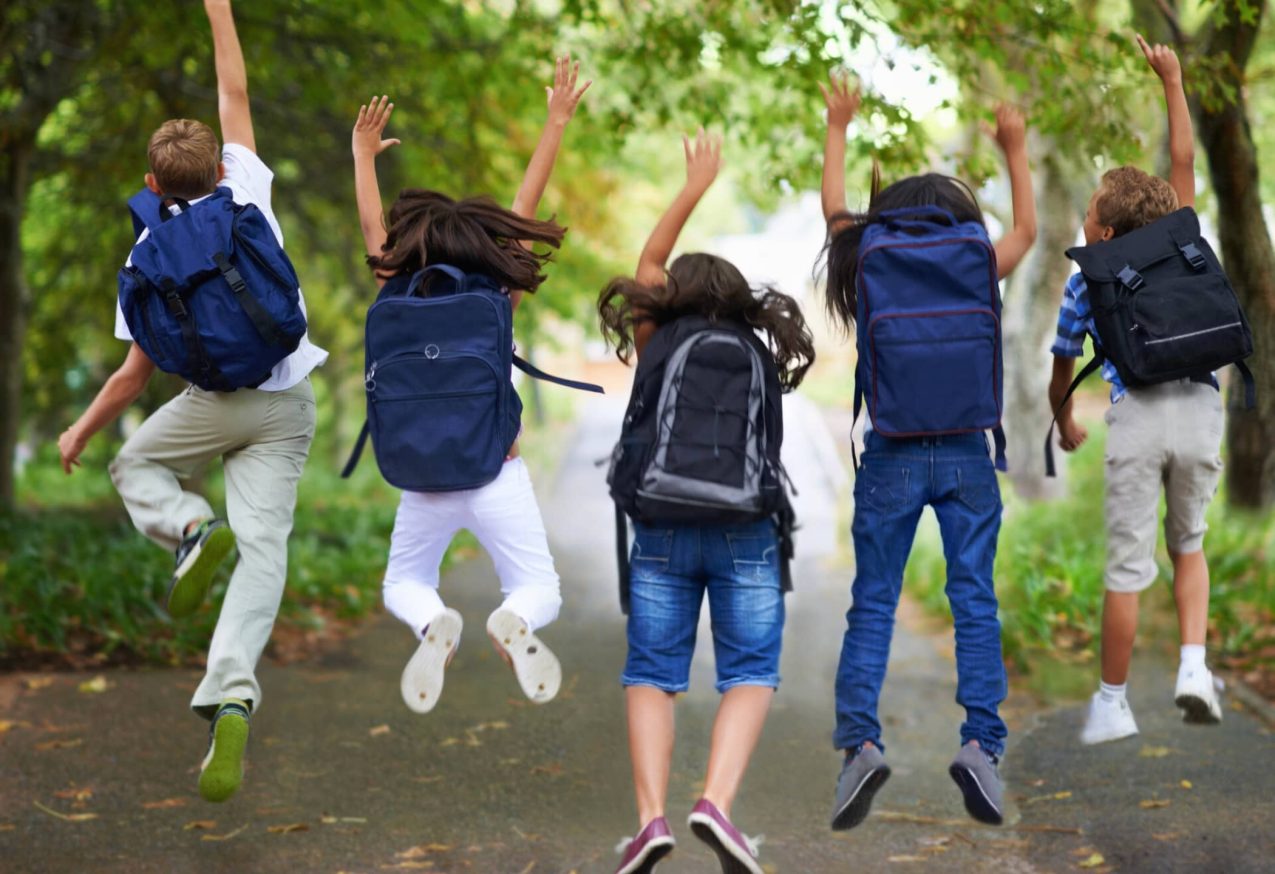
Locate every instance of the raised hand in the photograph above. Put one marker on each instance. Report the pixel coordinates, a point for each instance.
(703, 160)
(366, 140)
(563, 97)
(1010, 132)
(842, 102)
(1163, 59)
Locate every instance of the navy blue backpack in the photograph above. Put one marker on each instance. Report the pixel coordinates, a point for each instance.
(210, 294)
(441, 410)
(928, 325)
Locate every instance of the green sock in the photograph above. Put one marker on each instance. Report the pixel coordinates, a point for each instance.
(223, 767)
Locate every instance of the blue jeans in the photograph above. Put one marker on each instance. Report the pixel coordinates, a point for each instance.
(672, 568)
(896, 481)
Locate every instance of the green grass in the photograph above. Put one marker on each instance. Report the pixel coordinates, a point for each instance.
(1049, 574)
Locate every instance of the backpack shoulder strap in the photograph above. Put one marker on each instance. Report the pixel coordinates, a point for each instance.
(622, 556)
(1094, 363)
(146, 208)
(536, 373)
(357, 453)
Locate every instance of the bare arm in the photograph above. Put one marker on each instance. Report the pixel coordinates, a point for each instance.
(232, 76)
(116, 396)
(842, 105)
(366, 144)
(563, 97)
(1011, 136)
(703, 159)
(1181, 135)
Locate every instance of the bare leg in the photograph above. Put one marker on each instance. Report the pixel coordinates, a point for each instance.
(1119, 626)
(738, 726)
(650, 747)
(1191, 591)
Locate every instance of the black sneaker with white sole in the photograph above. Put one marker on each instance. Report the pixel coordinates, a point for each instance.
(200, 554)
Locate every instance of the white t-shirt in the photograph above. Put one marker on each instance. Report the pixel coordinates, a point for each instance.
(249, 179)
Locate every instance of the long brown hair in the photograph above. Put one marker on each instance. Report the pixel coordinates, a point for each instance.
(476, 234)
(706, 285)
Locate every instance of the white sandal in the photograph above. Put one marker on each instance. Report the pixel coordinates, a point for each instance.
(422, 681)
(533, 663)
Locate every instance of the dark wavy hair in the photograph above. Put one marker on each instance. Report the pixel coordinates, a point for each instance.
(845, 232)
(476, 234)
(706, 285)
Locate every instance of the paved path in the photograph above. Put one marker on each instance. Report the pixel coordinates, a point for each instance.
(344, 778)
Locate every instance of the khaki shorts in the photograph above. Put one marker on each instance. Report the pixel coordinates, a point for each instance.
(1168, 435)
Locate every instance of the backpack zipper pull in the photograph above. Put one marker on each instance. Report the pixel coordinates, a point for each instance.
(369, 381)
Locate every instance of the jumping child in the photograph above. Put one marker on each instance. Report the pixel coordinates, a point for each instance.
(900, 475)
(429, 229)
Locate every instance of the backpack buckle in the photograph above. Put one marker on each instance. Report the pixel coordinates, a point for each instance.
(1130, 278)
(1193, 255)
(175, 305)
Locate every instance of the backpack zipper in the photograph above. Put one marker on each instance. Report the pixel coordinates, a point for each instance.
(1192, 333)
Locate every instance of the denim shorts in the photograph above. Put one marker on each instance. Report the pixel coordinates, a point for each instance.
(672, 568)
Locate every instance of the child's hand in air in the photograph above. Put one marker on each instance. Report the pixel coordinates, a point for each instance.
(703, 160)
(1070, 435)
(563, 97)
(1010, 132)
(70, 445)
(366, 140)
(1163, 59)
(841, 101)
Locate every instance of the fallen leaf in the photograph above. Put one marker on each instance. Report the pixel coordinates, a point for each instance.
(527, 870)
(379, 730)
(96, 685)
(1052, 796)
(1167, 836)
(422, 850)
(290, 827)
(68, 817)
(554, 769)
(7, 827)
(227, 836)
(200, 823)
(58, 744)
(1083, 851)
(78, 793)
(6, 724)
(1186, 784)
(906, 859)
(165, 804)
(34, 683)
(1092, 862)
(403, 866)
(1150, 752)
(1152, 803)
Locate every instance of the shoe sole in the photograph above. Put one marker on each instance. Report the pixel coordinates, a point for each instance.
(977, 804)
(856, 809)
(190, 586)
(1196, 710)
(422, 680)
(536, 667)
(708, 831)
(646, 861)
(223, 767)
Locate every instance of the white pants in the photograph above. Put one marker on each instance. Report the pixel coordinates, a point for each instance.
(505, 518)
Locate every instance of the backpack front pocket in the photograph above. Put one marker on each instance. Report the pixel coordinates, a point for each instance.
(1187, 326)
(935, 372)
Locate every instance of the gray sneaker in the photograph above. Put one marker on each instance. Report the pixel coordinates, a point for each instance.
(975, 773)
(861, 776)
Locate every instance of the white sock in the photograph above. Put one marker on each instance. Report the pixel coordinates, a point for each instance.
(1112, 693)
(1192, 655)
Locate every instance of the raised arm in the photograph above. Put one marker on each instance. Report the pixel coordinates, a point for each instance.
(1181, 136)
(366, 143)
(116, 396)
(1011, 136)
(703, 159)
(232, 76)
(842, 105)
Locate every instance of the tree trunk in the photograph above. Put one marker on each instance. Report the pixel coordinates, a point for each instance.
(14, 165)
(1029, 317)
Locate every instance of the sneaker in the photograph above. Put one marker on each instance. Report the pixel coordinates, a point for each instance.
(736, 853)
(1196, 694)
(975, 772)
(861, 776)
(533, 663)
(640, 855)
(198, 557)
(222, 770)
(1107, 721)
(422, 681)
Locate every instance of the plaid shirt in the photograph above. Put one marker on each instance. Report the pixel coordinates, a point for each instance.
(1075, 321)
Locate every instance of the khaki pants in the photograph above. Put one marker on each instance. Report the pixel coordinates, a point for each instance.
(264, 439)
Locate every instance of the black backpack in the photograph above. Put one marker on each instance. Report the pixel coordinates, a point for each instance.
(701, 437)
(1163, 309)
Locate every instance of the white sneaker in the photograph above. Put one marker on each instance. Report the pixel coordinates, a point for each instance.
(533, 663)
(1107, 721)
(422, 680)
(1196, 695)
